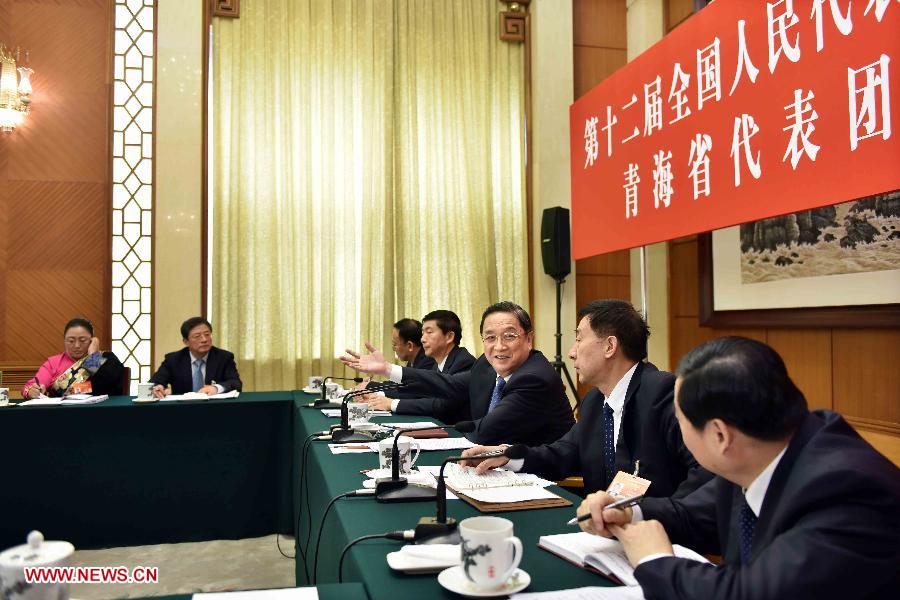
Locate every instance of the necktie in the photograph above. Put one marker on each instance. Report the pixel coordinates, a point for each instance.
(747, 525)
(198, 374)
(609, 446)
(497, 393)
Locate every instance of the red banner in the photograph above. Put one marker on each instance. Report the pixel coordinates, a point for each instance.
(750, 109)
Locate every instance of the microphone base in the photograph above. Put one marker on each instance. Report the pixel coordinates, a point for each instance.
(389, 490)
(324, 404)
(429, 531)
(342, 436)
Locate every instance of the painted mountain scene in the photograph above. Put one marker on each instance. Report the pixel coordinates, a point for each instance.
(853, 237)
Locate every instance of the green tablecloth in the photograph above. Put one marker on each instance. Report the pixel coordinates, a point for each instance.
(118, 473)
(329, 475)
(328, 591)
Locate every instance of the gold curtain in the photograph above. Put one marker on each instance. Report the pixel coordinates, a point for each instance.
(368, 164)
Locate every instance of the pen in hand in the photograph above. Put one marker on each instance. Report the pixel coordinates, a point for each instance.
(623, 503)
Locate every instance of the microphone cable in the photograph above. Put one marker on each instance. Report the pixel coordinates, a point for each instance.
(302, 549)
(403, 536)
(351, 494)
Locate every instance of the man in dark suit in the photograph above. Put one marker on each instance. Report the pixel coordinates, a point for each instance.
(441, 335)
(801, 507)
(198, 367)
(630, 410)
(406, 340)
(511, 393)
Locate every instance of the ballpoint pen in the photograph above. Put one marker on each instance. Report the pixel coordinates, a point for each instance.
(623, 503)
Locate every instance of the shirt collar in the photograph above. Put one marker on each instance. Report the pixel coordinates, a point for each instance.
(756, 492)
(616, 398)
(195, 358)
(442, 363)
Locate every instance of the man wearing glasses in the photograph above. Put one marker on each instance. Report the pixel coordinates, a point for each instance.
(198, 367)
(512, 393)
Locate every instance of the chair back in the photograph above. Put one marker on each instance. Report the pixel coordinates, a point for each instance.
(126, 381)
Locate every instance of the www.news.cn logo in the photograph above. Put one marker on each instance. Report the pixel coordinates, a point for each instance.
(91, 575)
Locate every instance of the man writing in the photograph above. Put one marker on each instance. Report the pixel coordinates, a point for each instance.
(627, 422)
(511, 393)
(801, 507)
(441, 334)
(198, 367)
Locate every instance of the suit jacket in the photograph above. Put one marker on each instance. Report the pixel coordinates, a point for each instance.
(422, 361)
(829, 526)
(533, 408)
(458, 361)
(176, 370)
(648, 432)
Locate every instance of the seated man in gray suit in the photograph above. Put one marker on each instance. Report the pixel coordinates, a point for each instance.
(441, 334)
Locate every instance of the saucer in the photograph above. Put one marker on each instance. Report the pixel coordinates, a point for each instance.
(309, 390)
(454, 579)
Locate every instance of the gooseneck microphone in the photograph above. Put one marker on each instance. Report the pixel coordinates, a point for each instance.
(398, 489)
(322, 401)
(439, 529)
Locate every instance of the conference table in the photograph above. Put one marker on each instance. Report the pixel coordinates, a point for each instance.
(123, 474)
(328, 475)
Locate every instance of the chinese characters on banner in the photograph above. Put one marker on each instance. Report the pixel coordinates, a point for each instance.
(750, 109)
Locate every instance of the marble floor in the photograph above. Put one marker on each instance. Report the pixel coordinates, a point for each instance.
(193, 567)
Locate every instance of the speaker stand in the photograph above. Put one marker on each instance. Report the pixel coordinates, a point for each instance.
(558, 364)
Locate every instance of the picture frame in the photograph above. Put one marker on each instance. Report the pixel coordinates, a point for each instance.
(869, 316)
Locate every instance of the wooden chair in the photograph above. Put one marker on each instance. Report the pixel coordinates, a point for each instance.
(126, 381)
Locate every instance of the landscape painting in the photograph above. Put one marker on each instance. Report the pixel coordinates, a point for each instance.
(861, 236)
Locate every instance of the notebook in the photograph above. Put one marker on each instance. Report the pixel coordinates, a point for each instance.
(601, 555)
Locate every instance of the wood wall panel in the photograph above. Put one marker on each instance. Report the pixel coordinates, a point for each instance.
(677, 12)
(807, 355)
(54, 179)
(866, 366)
(593, 65)
(600, 49)
(599, 23)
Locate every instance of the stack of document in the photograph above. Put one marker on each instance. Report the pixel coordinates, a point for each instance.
(73, 399)
(198, 397)
(497, 485)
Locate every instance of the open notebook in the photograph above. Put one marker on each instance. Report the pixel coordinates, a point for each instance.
(599, 554)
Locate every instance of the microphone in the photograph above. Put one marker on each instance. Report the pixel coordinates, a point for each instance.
(396, 488)
(322, 401)
(344, 433)
(439, 529)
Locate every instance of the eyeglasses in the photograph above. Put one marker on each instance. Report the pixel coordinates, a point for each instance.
(508, 337)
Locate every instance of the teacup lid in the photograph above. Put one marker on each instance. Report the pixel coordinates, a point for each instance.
(36, 552)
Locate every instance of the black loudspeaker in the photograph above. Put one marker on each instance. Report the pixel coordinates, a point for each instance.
(556, 250)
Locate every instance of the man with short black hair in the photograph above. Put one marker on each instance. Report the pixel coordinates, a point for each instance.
(198, 367)
(406, 341)
(801, 507)
(512, 393)
(629, 410)
(441, 335)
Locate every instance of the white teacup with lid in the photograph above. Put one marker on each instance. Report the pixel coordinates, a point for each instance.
(36, 553)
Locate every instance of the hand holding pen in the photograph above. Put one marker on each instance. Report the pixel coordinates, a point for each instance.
(600, 509)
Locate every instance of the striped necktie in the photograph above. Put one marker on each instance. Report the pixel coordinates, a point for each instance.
(497, 393)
